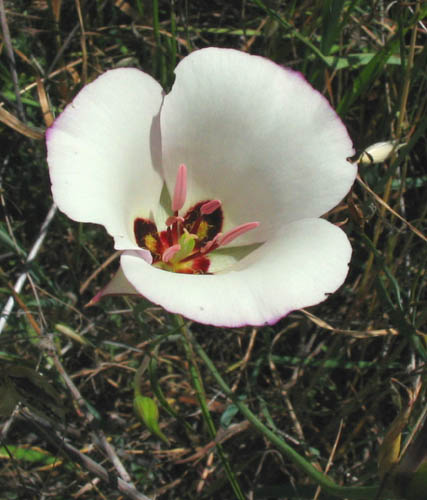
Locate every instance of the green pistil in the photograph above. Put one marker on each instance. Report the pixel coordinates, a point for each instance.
(187, 242)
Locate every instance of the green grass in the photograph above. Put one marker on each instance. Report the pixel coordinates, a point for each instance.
(328, 384)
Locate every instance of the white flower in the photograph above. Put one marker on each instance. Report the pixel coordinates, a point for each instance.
(251, 156)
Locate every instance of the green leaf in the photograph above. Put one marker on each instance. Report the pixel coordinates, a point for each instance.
(27, 454)
(147, 411)
(330, 24)
(367, 76)
(289, 28)
(8, 242)
(358, 59)
(228, 415)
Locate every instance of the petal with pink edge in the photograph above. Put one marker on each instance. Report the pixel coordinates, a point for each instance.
(256, 136)
(299, 268)
(104, 153)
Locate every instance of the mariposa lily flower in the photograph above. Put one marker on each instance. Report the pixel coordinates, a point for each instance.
(214, 191)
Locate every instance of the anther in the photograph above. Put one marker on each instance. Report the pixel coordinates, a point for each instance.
(229, 236)
(169, 253)
(210, 207)
(180, 192)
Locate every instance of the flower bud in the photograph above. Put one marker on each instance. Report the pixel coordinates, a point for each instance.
(378, 152)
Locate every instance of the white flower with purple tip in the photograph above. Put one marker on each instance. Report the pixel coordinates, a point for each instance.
(214, 191)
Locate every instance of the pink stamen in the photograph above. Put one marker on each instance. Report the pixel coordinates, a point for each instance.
(236, 232)
(169, 253)
(180, 192)
(210, 207)
(172, 219)
(211, 245)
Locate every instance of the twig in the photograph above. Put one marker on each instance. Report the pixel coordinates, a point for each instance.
(60, 52)
(331, 458)
(82, 42)
(78, 398)
(98, 270)
(98, 435)
(114, 459)
(243, 363)
(222, 435)
(23, 277)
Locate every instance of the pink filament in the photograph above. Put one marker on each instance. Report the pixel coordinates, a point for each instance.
(174, 219)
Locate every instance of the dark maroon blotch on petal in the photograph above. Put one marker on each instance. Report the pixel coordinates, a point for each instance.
(193, 218)
(144, 228)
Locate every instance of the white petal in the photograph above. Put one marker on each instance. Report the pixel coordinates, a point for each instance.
(298, 269)
(104, 153)
(256, 136)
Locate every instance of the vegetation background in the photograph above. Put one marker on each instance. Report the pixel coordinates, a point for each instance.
(329, 381)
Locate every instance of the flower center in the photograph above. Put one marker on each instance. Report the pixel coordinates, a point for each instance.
(185, 245)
